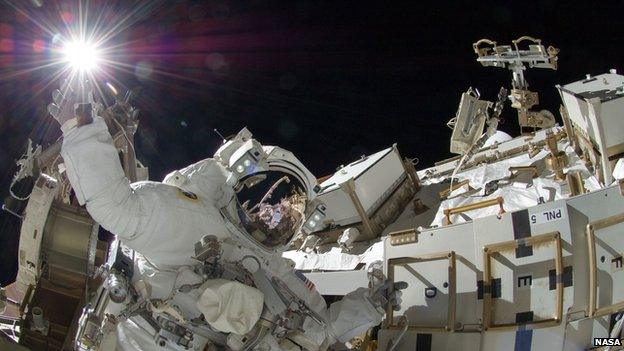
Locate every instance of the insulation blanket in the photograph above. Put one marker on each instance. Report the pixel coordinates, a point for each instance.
(335, 259)
(517, 194)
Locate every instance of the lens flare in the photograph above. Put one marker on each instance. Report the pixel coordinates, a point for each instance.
(81, 56)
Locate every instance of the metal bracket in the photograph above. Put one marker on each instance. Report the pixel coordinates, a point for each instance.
(370, 228)
(446, 192)
(403, 237)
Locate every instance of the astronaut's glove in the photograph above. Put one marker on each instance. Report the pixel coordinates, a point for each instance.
(72, 105)
(383, 292)
(387, 294)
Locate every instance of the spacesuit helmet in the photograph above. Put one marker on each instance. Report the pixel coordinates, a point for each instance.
(271, 207)
(274, 192)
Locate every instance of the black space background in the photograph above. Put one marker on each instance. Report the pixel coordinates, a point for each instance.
(328, 80)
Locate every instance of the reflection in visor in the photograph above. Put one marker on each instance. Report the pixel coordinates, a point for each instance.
(274, 224)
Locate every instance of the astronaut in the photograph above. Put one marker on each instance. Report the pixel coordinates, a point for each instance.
(205, 275)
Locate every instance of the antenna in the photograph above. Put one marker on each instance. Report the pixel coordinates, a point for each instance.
(219, 134)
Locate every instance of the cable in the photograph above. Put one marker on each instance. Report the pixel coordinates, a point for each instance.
(401, 334)
(492, 123)
(123, 131)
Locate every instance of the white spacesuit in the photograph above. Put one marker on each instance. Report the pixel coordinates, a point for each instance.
(263, 305)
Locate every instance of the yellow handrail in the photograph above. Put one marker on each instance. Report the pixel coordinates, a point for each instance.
(473, 206)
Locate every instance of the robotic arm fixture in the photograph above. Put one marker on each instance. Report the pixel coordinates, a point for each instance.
(517, 60)
(473, 113)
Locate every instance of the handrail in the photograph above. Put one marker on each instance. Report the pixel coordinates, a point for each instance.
(446, 192)
(526, 38)
(482, 51)
(473, 206)
(487, 278)
(592, 227)
(518, 169)
(452, 277)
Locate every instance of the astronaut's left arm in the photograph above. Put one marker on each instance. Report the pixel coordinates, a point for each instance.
(353, 315)
(357, 312)
(364, 308)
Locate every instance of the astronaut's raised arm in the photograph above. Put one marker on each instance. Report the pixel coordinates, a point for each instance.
(91, 160)
(159, 220)
(94, 170)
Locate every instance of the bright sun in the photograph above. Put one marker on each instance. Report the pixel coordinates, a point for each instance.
(81, 56)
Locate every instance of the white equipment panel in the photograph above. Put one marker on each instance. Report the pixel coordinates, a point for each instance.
(540, 286)
(375, 177)
(595, 107)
